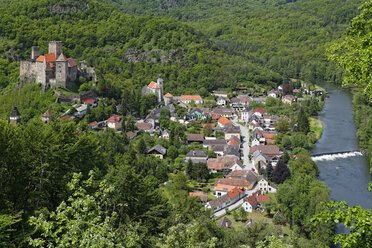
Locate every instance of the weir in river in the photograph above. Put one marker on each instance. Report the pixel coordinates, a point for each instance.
(346, 173)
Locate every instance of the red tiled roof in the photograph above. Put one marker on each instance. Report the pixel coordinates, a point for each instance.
(191, 97)
(260, 110)
(64, 117)
(224, 121)
(208, 125)
(88, 101)
(215, 116)
(263, 198)
(233, 142)
(92, 124)
(143, 125)
(114, 118)
(234, 192)
(153, 85)
(168, 95)
(269, 135)
(224, 162)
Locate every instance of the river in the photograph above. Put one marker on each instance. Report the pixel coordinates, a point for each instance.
(347, 177)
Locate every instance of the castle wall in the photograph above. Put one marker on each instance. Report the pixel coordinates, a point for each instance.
(72, 73)
(27, 70)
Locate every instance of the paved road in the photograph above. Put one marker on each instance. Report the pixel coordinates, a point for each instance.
(245, 137)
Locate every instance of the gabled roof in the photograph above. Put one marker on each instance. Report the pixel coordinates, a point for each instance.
(223, 121)
(61, 58)
(234, 192)
(88, 101)
(153, 85)
(143, 125)
(198, 137)
(71, 62)
(223, 163)
(203, 196)
(225, 222)
(159, 149)
(92, 124)
(208, 125)
(168, 95)
(260, 110)
(197, 153)
(114, 118)
(269, 135)
(49, 57)
(191, 97)
(266, 149)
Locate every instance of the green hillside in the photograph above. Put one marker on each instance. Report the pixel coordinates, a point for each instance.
(126, 51)
(289, 37)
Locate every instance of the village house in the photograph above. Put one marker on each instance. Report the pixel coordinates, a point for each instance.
(114, 122)
(220, 93)
(225, 112)
(231, 130)
(196, 156)
(209, 143)
(246, 114)
(219, 149)
(93, 125)
(254, 201)
(157, 151)
(259, 112)
(240, 102)
(81, 110)
(165, 134)
(187, 99)
(47, 116)
(195, 137)
(221, 101)
(267, 150)
(264, 185)
(224, 164)
(222, 121)
(288, 99)
(243, 179)
(144, 126)
(273, 93)
(229, 198)
(168, 99)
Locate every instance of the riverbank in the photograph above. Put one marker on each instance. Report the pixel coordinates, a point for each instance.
(362, 111)
(316, 128)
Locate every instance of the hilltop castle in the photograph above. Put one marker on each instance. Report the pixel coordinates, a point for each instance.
(154, 88)
(54, 68)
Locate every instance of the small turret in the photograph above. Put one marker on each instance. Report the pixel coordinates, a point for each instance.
(15, 117)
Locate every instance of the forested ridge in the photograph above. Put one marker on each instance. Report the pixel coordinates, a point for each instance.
(62, 185)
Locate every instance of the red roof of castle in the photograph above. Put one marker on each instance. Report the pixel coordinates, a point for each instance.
(71, 62)
(49, 57)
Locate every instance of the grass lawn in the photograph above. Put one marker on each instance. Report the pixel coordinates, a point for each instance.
(316, 127)
(255, 216)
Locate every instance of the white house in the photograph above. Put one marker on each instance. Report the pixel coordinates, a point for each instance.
(81, 110)
(226, 200)
(186, 99)
(221, 101)
(114, 122)
(264, 185)
(246, 113)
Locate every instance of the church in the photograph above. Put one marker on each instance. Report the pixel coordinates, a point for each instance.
(154, 88)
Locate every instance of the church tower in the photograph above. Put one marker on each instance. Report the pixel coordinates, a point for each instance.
(15, 117)
(160, 83)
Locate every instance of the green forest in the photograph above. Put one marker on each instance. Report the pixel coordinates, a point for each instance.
(62, 185)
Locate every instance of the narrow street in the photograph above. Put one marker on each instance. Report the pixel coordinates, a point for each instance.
(245, 145)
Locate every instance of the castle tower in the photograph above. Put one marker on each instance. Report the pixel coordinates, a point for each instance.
(15, 117)
(62, 70)
(160, 83)
(55, 47)
(35, 52)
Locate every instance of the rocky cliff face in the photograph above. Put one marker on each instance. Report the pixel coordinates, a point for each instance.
(154, 56)
(68, 7)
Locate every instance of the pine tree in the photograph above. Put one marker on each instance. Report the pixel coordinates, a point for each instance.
(269, 171)
(303, 122)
